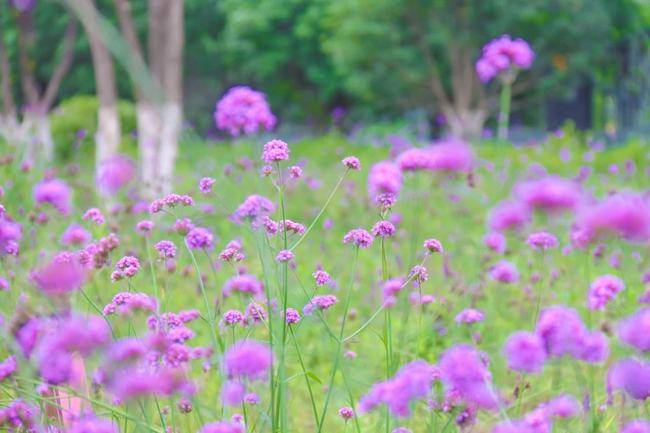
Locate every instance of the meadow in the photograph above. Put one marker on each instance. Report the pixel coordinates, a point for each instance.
(231, 326)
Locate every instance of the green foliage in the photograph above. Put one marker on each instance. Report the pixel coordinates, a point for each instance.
(378, 45)
(79, 113)
(276, 45)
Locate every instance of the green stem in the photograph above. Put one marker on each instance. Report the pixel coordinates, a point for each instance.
(304, 370)
(339, 345)
(320, 213)
(504, 109)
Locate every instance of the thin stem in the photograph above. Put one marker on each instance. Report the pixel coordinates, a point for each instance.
(339, 345)
(304, 370)
(320, 213)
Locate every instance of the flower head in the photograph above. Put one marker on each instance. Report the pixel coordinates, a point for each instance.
(248, 359)
(358, 237)
(275, 151)
(243, 110)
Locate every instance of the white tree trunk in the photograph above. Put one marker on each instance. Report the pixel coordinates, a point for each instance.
(10, 130)
(107, 138)
(171, 127)
(149, 126)
(466, 124)
(38, 137)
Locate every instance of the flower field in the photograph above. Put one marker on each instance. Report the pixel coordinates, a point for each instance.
(327, 286)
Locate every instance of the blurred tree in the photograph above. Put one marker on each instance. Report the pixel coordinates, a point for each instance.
(38, 94)
(421, 53)
(276, 45)
(108, 135)
(158, 88)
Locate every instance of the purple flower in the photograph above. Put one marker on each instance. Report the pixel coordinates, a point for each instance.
(75, 235)
(496, 242)
(199, 238)
(358, 237)
(321, 277)
(170, 201)
(603, 290)
(92, 424)
(284, 256)
(248, 359)
(232, 393)
(504, 272)
(54, 192)
(144, 227)
(232, 317)
(351, 162)
(542, 241)
(319, 302)
(413, 381)
(525, 352)
(95, 215)
(464, 370)
(635, 330)
(205, 185)
(166, 249)
(295, 172)
(255, 208)
(63, 274)
(243, 283)
(275, 151)
(114, 173)
(126, 267)
(502, 55)
(470, 315)
(630, 375)
(7, 367)
(508, 215)
(346, 412)
(625, 214)
(243, 110)
(433, 246)
(383, 229)
(125, 303)
(384, 177)
(291, 316)
(222, 427)
(636, 426)
(419, 275)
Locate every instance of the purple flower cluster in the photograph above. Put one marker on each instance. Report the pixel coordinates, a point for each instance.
(170, 201)
(603, 290)
(275, 151)
(243, 110)
(412, 382)
(503, 54)
(319, 302)
(359, 237)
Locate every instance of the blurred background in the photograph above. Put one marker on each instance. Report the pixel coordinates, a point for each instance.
(393, 65)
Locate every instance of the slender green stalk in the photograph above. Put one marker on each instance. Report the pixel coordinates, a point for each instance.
(339, 345)
(304, 370)
(320, 213)
(504, 108)
(216, 339)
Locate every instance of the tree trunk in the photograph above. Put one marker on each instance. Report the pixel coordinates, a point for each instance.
(466, 124)
(149, 125)
(108, 135)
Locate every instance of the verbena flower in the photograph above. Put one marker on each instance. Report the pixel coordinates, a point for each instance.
(243, 110)
(248, 359)
(525, 352)
(205, 185)
(358, 237)
(635, 330)
(54, 192)
(199, 238)
(275, 151)
(603, 290)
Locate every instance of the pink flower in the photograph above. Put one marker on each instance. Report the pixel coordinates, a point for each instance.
(243, 110)
(603, 290)
(358, 237)
(205, 185)
(275, 151)
(248, 359)
(63, 274)
(54, 192)
(114, 173)
(503, 54)
(551, 193)
(351, 162)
